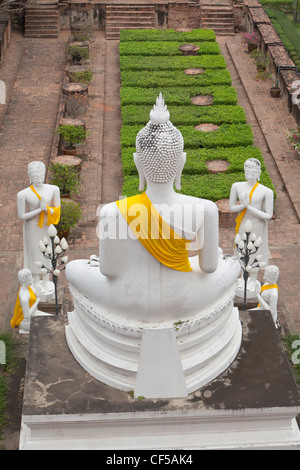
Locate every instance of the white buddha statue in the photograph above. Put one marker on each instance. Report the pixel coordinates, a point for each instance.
(151, 318)
(253, 202)
(38, 206)
(26, 303)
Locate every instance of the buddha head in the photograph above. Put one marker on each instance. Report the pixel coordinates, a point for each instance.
(271, 274)
(25, 277)
(159, 156)
(36, 173)
(252, 168)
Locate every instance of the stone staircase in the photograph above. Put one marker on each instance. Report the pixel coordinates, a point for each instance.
(42, 21)
(128, 17)
(220, 18)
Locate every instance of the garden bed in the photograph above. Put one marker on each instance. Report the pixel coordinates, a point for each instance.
(184, 81)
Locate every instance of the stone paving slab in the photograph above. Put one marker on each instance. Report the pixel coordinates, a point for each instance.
(78, 392)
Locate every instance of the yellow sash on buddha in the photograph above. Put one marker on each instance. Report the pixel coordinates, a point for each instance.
(52, 218)
(266, 287)
(154, 233)
(18, 316)
(242, 213)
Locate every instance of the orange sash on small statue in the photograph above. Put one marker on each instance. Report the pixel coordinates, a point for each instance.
(266, 287)
(18, 316)
(52, 218)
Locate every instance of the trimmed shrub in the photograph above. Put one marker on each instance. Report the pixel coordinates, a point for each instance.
(163, 79)
(195, 161)
(172, 63)
(187, 115)
(166, 48)
(181, 96)
(196, 158)
(228, 135)
(206, 186)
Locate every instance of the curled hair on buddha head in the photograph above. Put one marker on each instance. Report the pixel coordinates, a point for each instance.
(159, 145)
(35, 166)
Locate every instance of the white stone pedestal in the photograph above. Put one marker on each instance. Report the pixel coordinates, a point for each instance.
(121, 352)
(253, 404)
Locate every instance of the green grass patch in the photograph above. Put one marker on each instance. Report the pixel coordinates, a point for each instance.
(144, 74)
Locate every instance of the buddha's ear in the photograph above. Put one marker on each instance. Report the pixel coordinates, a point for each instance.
(179, 171)
(140, 171)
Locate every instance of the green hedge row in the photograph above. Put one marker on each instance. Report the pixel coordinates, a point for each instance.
(170, 48)
(228, 135)
(188, 115)
(155, 63)
(207, 186)
(167, 35)
(179, 96)
(277, 4)
(163, 79)
(196, 158)
(144, 76)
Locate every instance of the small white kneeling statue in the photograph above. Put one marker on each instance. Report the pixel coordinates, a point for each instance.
(38, 206)
(268, 297)
(151, 317)
(254, 202)
(26, 304)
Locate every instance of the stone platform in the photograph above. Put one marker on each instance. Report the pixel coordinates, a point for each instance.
(253, 404)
